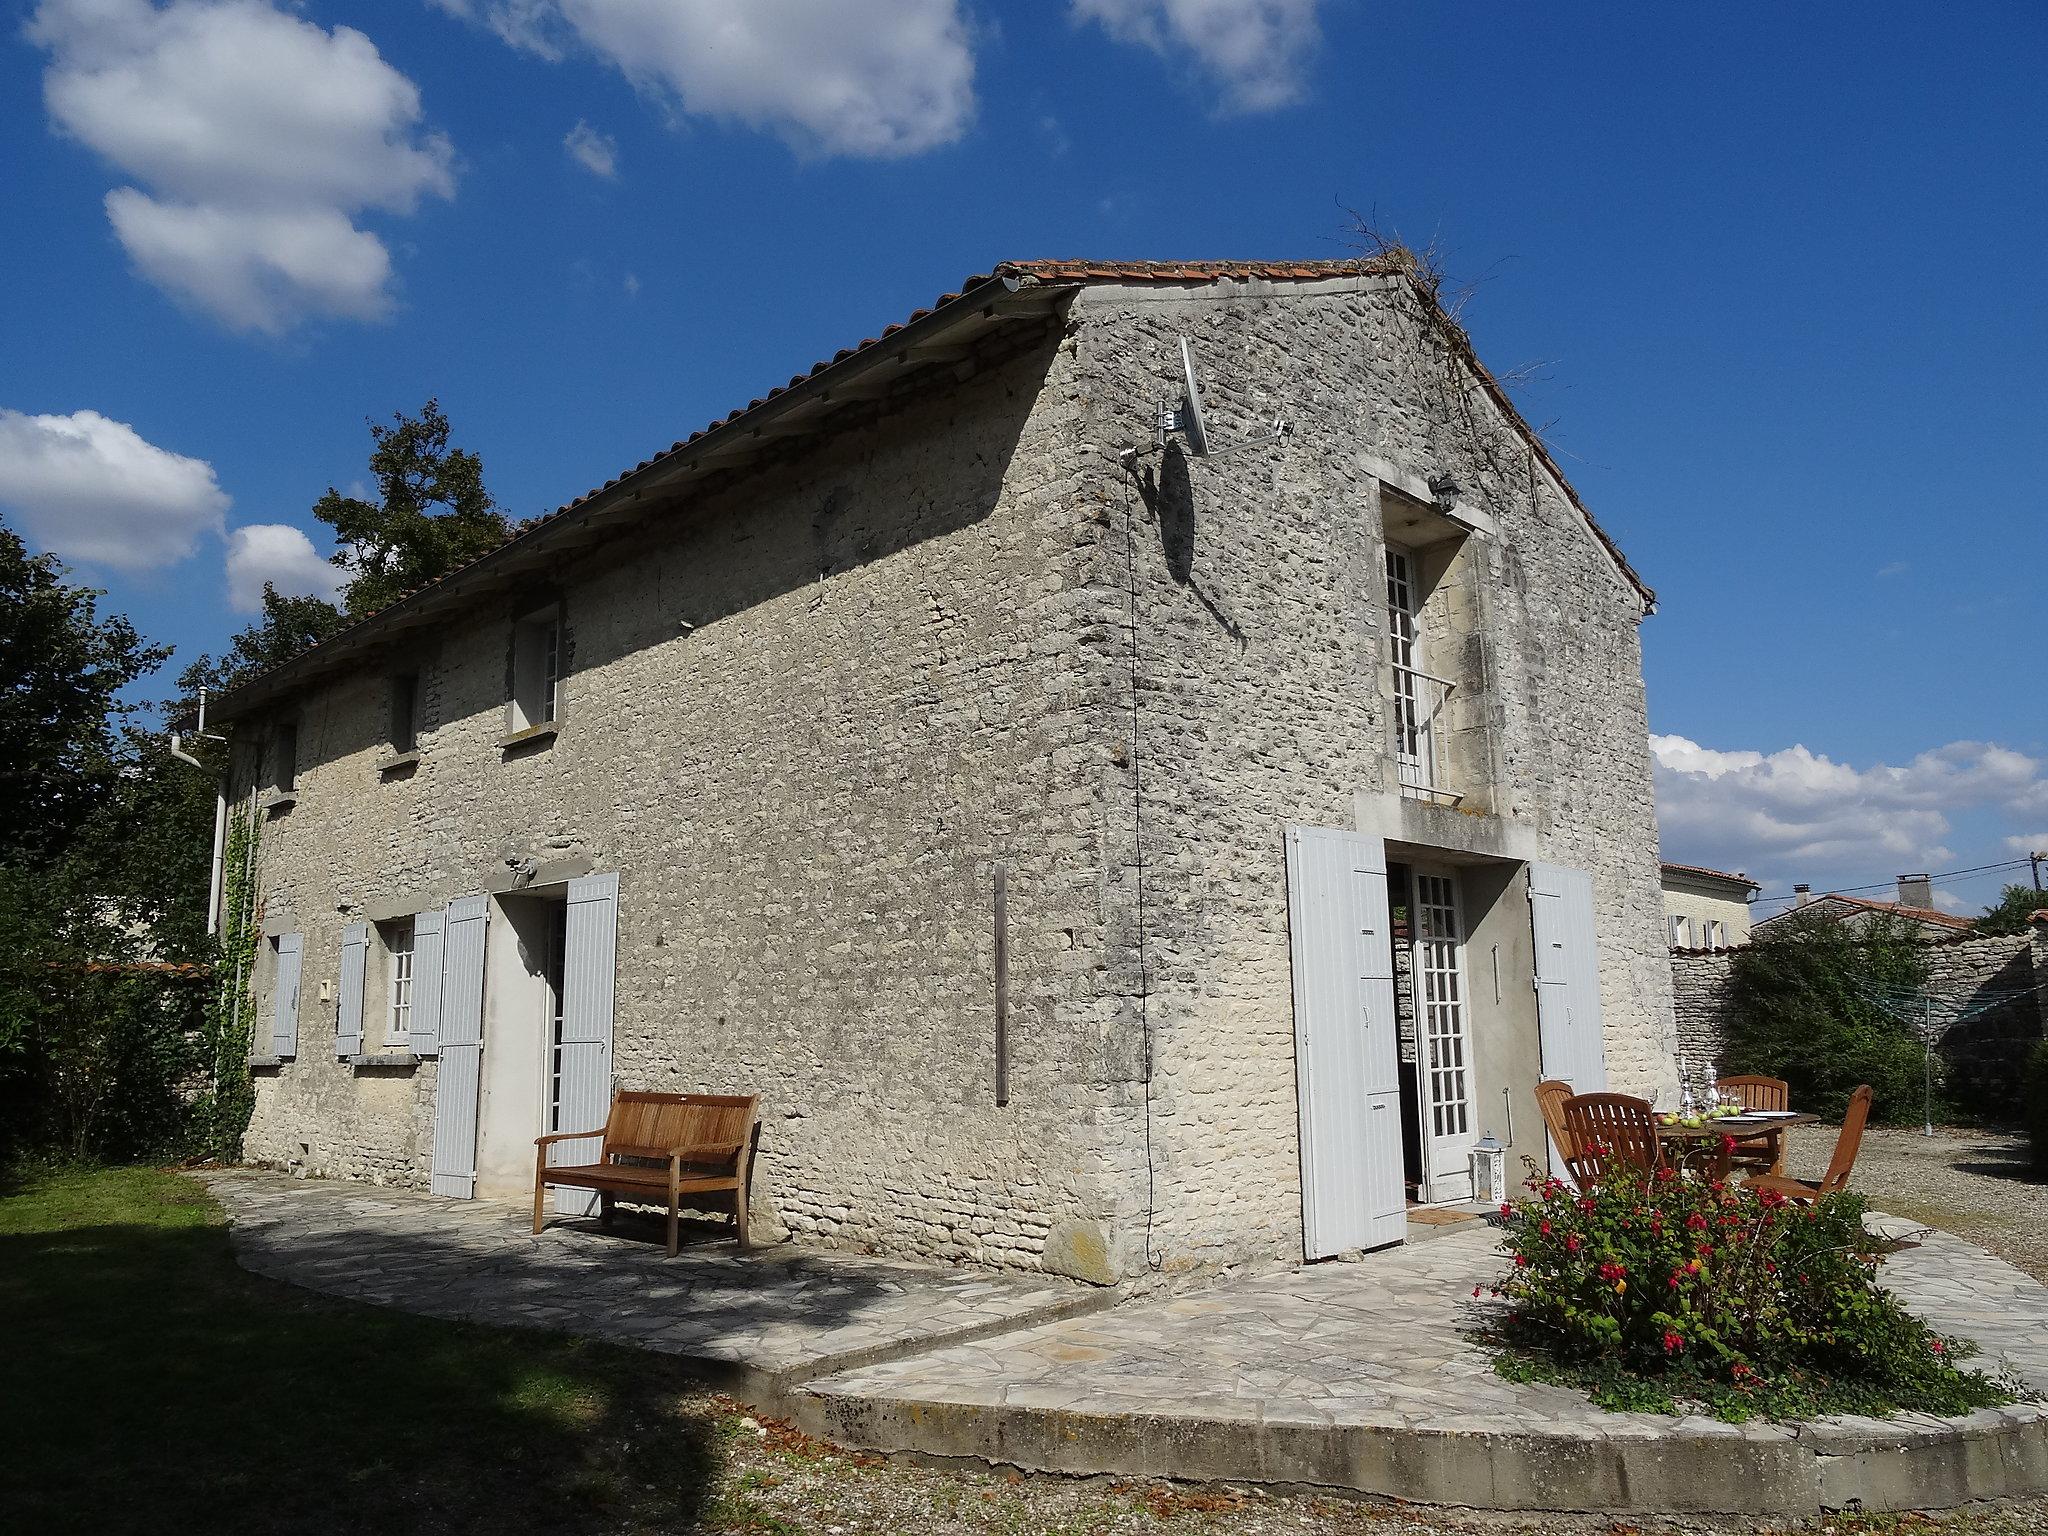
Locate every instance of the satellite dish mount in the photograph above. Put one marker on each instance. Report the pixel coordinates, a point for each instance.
(1187, 417)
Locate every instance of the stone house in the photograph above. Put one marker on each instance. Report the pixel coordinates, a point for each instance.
(1111, 840)
(1705, 908)
(1915, 904)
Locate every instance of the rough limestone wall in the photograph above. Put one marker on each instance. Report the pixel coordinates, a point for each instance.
(1699, 999)
(884, 692)
(1989, 1014)
(1259, 597)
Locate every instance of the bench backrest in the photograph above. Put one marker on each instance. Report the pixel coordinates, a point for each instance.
(648, 1124)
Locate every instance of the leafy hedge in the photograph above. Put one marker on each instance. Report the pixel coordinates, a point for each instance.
(1657, 1292)
(1811, 1002)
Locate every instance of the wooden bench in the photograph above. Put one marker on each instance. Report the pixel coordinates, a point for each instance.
(662, 1149)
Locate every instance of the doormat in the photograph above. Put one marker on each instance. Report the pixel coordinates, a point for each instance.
(1432, 1217)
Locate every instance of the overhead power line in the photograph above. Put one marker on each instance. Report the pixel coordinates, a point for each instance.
(1886, 885)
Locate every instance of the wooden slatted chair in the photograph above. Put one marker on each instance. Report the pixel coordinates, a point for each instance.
(1607, 1128)
(1847, 1144)
(1550, 1096)
(666, 1149)
(1764, 1153)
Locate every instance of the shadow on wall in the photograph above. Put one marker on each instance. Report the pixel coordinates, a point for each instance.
(1169, 496)
(933, 467)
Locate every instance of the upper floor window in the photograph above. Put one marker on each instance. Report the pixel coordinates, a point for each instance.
(536, 669)
(284, 758)
(1418, 696)
(405, 712)
(1681, 932)
(1715, 935)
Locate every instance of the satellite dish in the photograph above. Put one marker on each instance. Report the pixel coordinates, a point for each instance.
(1191, 421)
(1187, 418)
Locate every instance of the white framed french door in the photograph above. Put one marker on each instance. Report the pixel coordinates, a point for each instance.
(1443, 1035)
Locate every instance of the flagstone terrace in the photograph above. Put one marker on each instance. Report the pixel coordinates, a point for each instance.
(1363, 1376)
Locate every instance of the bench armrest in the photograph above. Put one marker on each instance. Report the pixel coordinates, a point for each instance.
(542, 1141)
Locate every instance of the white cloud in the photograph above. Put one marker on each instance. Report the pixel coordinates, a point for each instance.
(257, 137)
(91, 489)
(283, 557)
(868, 78)
(1256, 50)
(1794, 814)
(597, 153)
(2028, 843)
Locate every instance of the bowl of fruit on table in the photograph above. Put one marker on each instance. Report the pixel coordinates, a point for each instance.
(1699, 1118)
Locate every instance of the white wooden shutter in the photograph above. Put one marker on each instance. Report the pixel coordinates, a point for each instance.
(462, 1046)
(1347, 1054)
(589, 966)
(424, 1031)
(284, 1006)
(348, 1018)
(1567, 976)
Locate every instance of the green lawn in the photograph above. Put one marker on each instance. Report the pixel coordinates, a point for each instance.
(147, 1384)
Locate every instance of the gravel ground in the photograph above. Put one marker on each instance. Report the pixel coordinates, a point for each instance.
(780, 1481)
(1976, 1184)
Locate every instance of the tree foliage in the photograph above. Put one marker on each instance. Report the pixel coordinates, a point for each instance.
(103, 854)
(432, 513)
(1809, 1003)
(2009, 914)
(288, 626)
(64, 666)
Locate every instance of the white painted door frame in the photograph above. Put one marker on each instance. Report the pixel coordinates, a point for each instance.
(1443, 1031)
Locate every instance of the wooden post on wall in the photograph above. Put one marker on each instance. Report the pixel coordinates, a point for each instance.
(1002, 922)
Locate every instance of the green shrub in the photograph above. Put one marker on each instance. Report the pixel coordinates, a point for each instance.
(2035, 1103)
(1653, 1292)
(1815, 1001)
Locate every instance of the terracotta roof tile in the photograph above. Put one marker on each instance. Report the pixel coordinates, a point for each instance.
(1712, 874)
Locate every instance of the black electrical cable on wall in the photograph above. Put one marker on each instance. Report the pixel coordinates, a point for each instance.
(1152, 1261)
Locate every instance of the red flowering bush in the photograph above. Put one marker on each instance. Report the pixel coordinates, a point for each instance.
(1657, 1290)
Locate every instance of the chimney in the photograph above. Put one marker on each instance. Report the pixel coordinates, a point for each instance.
(1916, 891)
(1801, 895)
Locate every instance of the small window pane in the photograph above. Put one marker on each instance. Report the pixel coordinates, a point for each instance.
(398, 1015)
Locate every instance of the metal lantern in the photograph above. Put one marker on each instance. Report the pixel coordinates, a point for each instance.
(1489, 1171)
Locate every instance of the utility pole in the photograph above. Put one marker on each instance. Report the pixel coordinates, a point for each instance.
(2036, 859)
(1927, 1063)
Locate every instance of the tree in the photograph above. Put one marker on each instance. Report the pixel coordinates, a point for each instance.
(400, 542)
(63, 669)
(2009, 914)
(432, 515)
(289, 625)
(1813, 1000)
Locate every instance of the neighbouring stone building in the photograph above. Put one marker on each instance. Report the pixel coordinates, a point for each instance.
(1705, 908)
(1915, 905)
(741, 772)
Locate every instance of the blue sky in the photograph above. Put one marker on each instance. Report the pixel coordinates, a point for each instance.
(1782, 266)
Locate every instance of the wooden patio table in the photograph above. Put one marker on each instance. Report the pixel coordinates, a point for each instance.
(1698, 1145)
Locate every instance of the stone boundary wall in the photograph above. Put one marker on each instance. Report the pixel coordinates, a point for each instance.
(1699, 1000)
(1983, 1052)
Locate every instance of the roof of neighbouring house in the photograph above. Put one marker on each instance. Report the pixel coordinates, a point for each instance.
(1926, 915)
(1701, 872)
(1009, 292)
